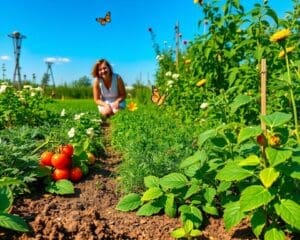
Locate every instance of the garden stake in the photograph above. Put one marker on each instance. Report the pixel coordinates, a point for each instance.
(263, 100)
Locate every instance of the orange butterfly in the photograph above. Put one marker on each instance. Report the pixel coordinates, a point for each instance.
(104, 20)
(156, 97)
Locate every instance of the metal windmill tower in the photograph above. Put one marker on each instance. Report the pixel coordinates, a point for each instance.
(49, 71)
(17, 41)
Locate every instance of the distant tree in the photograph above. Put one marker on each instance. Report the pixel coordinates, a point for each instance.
(83, 82)
(45, 80)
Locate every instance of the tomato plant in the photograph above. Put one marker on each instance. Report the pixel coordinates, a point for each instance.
(91, 158)
(45, 159)
(75, 174)
(60, 160)
(67, 149)
(59, 174)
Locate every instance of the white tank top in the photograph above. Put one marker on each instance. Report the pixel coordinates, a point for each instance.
(109, 95)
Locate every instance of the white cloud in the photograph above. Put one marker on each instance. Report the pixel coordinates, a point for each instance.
(57, 59)
(5, 58)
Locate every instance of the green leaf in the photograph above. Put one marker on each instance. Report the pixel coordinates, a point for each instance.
(6, 199)
(193, 189)
(232, 215)
(239, 101)
(197, 157)
(233, 172)
(61, 187)
(13, 222)
(152, 193)
(254, 196)
(289, 211)
(276, 119)
(274, 234)
(149, 209)
(271, 13)
(277, 156)
(209, 194)
(268, 176)
(258, 221)
(188, 226)
(195, 233)
(205, 136)
(173, 181)
(208, 208)
(248, 132)
(252, 160)
(129, 202)
(178, 233)
(5, 181)
(151, 181)
(192, 213)
(170, 205)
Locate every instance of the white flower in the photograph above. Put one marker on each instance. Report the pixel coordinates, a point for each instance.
(78, 116)
(204, 105)
(168, 74)
(170, 82)
(160, 57)
(38, 89)
(71, 133)
(32, 94)
(175, 76)
(90, 131)
(3, 88)
(27, 87)
(63, 113)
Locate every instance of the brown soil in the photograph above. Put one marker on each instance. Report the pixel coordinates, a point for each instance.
(90, 213)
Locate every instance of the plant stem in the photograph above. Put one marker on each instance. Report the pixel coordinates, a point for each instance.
(292, 94)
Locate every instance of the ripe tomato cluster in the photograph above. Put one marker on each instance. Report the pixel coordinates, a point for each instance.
(61, 163)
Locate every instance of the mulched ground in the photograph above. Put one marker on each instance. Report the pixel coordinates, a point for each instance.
(90, 213)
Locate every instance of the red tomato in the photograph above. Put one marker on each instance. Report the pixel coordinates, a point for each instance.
(75, 174)
(67, 149)
(60, 160)
(59, 174)
(45, 159)
(261, 140)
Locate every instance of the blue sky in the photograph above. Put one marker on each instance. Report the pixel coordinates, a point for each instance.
(66, 32)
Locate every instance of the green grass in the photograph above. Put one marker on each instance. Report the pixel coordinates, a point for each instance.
(74, 105)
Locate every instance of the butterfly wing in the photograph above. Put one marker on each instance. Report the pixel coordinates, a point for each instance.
(104, 20)
(156, 97)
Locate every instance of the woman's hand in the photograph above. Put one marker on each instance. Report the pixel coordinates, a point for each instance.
(115, 105)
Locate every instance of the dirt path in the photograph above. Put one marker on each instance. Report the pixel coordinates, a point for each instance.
(90, 213)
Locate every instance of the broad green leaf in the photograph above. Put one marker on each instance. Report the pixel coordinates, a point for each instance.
(274, 234)
(276, 119)
(151, 193)
(209, 194)
(173, 180)
(178, 233)
(191, 212)
(13, 222)
(248, 132)
(268, 176)
(258, 221)
(210, 209)
(197, 157)
(195, 233)
(149, 209)
(170, 205)
(254, 196)
(252, 160)
(289, 211)
(6, 199)
(61, 187)
(129, 202)
(233, 172)
(188, 225)
(193, 189)
(232, 215)
(151, 181)
(205, 136)
(271, 13)
(239, 101)
(277, 156)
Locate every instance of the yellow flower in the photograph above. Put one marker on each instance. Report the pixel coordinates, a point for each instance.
(187, 61)
(280, 35)
(288, 50)
(132, 106)
(201, 83)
